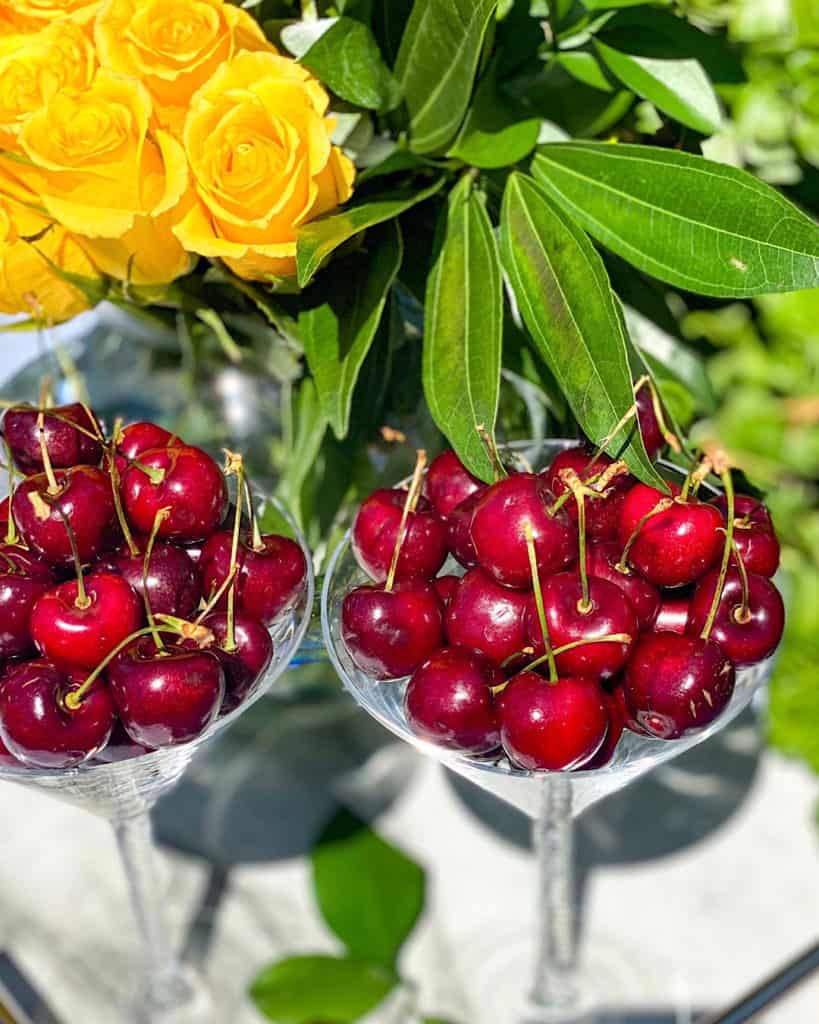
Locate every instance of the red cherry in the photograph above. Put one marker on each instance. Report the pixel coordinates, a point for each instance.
(449, 483)
(375, 532)
(552, 726)
(487, 617)
(66, 445)
(4, 514)
(270, 577)
(446, 588)
(449, 701)
(603, 559)
(250, 659)
(615, 702)
(640, 500)
(754, 534)
(174, 582)
(38, 728)
(653, 439)
(673, 614)
(192, 486)
(610, 612)
(15, 558)
(459, 531)
(499, 530)
(745, 641)
(84, 499)
(676, 684)
(389, 633)
(71, 635)
(137, 438)
(678, 545)
(165, 698)
(19, 592)
(602, 514)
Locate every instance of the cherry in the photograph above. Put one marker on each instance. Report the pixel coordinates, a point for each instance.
(83, 497)
(4, 513)
(552, 726)
(165, 697)
(36, 725)
(72, 630)
(639, 501)
(270, 577)
(459, 531)
(449, 701)
(120, 747)
(174, 584)
(499, 523)
(19, 592)
(449, 483)
(653, 438)
(141, 437)
(446, 587)
(66, 445)
(610, 612)
(602, 514)
(615, 702)
(375, 533)
(487, 617)
(603, 561)
(250, 658)
(188, 482)
(15, 558)
(677, 684)
(746, 635)
(388, 633)
(754, 534)
(675, 546)
(673, 614)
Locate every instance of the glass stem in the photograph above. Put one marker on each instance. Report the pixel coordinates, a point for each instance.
(554, 992)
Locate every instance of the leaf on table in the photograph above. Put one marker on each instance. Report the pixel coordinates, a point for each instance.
(569, 309)
(369, 892)
(697, 224)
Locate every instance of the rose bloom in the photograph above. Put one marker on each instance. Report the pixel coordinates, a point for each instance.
(173, 48)
(259, 149)
(31, 15)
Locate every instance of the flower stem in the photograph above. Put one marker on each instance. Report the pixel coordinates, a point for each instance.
(413, 494)
(728, 484)
(541, 610)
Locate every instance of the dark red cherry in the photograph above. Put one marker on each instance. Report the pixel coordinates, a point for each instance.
(487, 617)
(603, 559)
(389, 633)
(19, 592)
(66, 445)
(449, 701)
(602, 514)
(36, 725)
(449, 483)
(677, 684)
(499, 530)
(610, 612)
(552, 726)
(16, 558)
(754, 534)
(446, 587)
(84, 499)
(375, 532)
(120, 747)
(165, 698)
(746, 640)
(80, 637)
(174, 584)
(141, 437)
(249, 660)
(615, 702)
(4, 514)
(459, 531)
(191, 485)
(649, 424)
(270, 577)
(679, 544)
(640, 500)
(673, 614)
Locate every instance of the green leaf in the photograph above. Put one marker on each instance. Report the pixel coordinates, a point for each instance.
(585, 68)
(303, 443)
(494, 133)
(608, 5)
(318, 239)
(307, 989)
(341, 321)
(680, 88)
(347, 60)
(694, 223)
(389, 21)
(369, 892)
(463, 333)
(436, 66)
(568, 307)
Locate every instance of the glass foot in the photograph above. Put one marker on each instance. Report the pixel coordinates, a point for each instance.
(178, 995)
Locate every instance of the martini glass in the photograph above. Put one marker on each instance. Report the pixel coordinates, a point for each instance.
(123, 792)
(559, 993)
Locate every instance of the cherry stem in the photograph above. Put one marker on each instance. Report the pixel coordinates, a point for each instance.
(82, 600)
(154, 473)
(115, 482)
(53, 486)
(92, 419)
(728, 484)
(492, 451)
(580, 490)
(413, 494)
(235, 466)
(621, 423)
(743, 613)
(216, 597)
(695, 477)
(609, 638)
(661, 506)
(541, 611)
(160, 517)
(12, 537)
(669, 436)
(255, 533)
(14, 568)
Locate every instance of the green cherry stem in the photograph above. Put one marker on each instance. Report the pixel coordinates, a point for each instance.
(413, 494)
(609, 638)
(160, 517)
(491, 447)
(541, 611)
(255, 533)
(235, 466)
(12, 537)
(115, 484)
(82, 599)
(743, 613)
(215, 597)
(53, 486)
(664, 503)
(728, 484)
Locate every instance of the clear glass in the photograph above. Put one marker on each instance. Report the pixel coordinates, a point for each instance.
(551, 799)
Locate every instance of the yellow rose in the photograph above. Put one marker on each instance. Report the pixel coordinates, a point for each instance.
(93, 163)
(31, 15)
(173, 47)
(262, 164)
(148, 254)
(34, 68)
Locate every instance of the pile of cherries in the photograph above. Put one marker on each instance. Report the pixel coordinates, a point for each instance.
(590, 603)
(135, 600)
